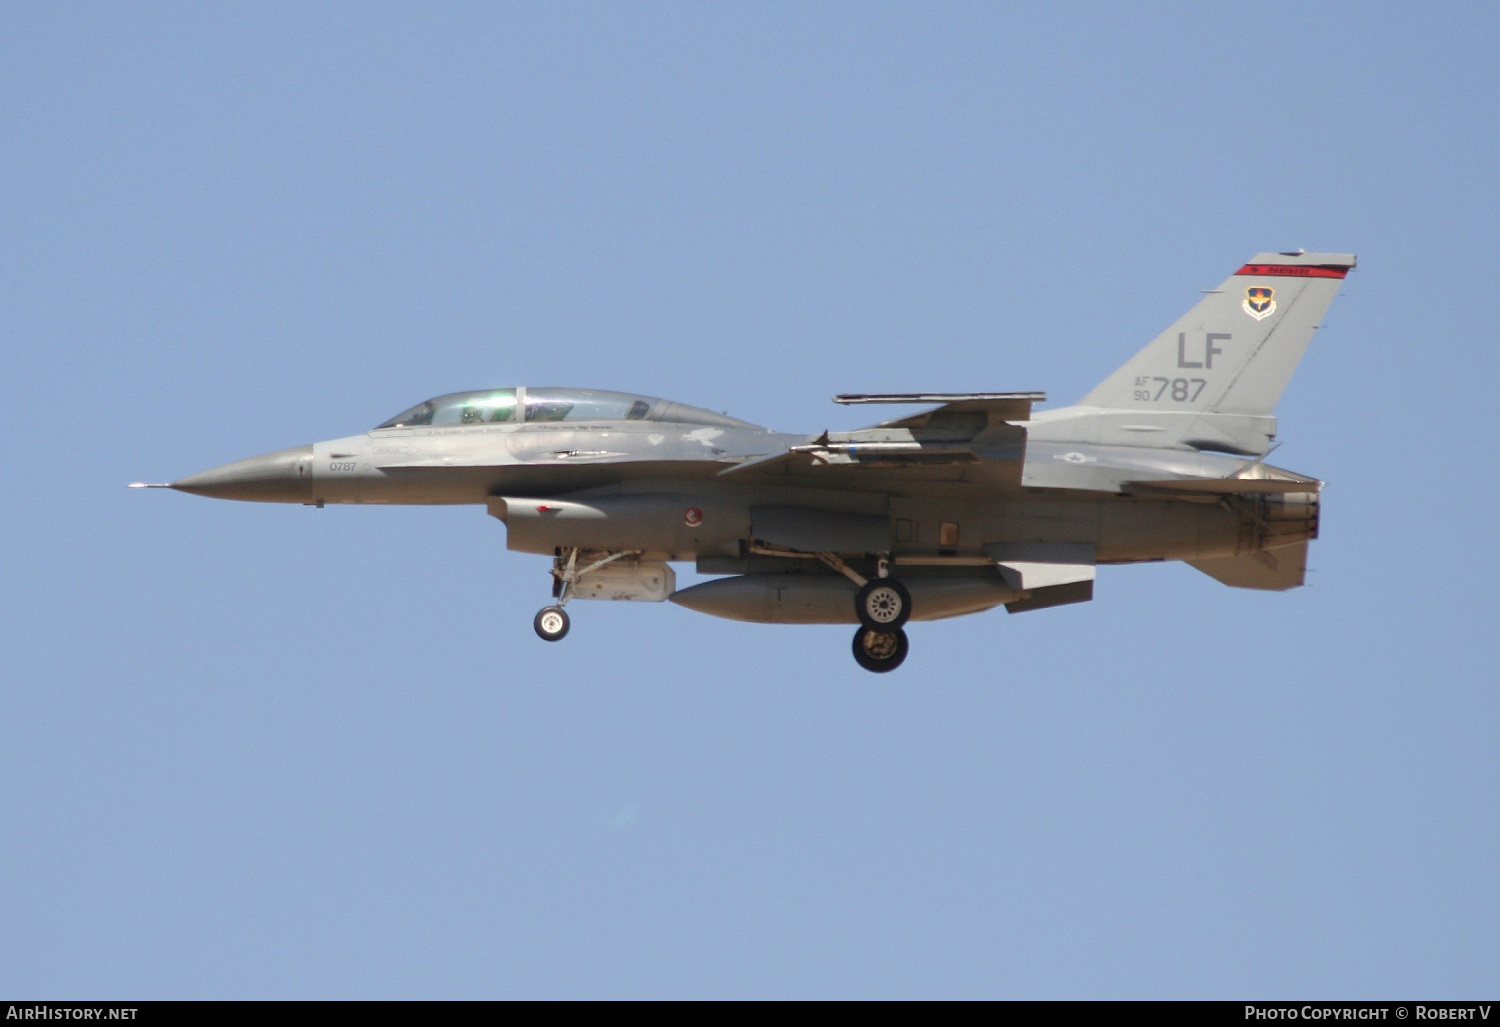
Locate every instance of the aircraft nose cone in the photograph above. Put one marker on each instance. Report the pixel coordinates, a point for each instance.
(281, 477)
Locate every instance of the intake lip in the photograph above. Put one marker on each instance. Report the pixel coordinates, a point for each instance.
(281, 477)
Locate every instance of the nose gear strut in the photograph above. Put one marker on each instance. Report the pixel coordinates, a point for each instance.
(552, 622)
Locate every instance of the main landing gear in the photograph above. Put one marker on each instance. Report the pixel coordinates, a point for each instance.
(880, 649)
(882, 604)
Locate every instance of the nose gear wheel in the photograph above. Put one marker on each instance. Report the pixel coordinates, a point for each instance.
(552, 623)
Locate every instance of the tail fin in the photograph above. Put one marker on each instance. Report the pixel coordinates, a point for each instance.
(1213, 378)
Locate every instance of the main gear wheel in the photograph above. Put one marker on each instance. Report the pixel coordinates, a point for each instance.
(880, 650)
(883, 604)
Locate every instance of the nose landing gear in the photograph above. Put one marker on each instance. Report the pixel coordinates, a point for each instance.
(552, 623)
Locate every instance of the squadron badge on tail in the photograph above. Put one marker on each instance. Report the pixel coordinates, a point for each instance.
(1260, 302)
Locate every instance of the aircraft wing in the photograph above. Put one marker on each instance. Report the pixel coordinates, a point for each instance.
(957, 407)
(967, 428)
(1223, 486)
(994, 454)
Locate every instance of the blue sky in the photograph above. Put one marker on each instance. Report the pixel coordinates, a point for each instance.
(265, 751)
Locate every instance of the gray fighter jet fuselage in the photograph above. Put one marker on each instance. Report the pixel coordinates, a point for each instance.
(975, 503)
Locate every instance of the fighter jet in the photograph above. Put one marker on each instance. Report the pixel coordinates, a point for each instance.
(977, 502)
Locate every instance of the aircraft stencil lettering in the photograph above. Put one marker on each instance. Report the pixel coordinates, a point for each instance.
(1210, 349)
(977, 502)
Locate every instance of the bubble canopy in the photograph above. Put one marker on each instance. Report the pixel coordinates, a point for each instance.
(529, 406)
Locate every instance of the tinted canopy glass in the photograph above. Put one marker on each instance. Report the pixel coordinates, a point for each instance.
(585, 405)
(502, 405)
(495, 405)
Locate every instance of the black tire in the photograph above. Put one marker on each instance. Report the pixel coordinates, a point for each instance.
(883, 604)
(879, 651)
(552, 624)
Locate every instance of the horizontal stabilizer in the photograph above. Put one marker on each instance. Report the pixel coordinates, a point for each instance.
(1271, 570)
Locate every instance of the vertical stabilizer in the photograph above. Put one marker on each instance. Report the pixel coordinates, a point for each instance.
(1236, 349)
(1213, 378)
